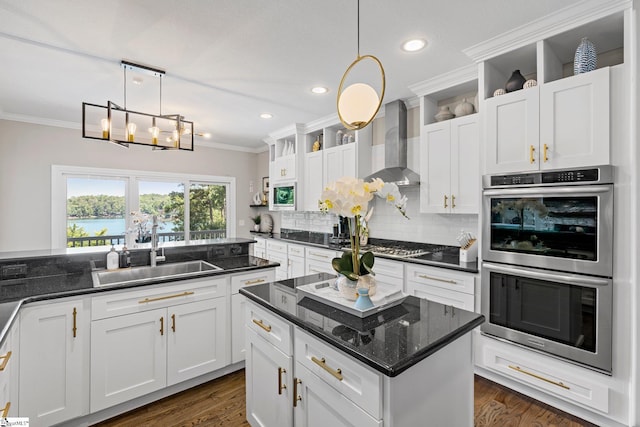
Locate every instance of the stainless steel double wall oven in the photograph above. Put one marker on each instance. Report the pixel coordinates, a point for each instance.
(547, 251)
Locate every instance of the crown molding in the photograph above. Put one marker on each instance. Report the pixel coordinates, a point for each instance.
(545, 27)
(447, 80)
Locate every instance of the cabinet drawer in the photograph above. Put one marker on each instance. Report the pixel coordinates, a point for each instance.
(548, 375)
(347, 376)
(443, 296)
(295, 250)
(253, 278)
(441, 278)
(322, 255)
(117, 303)
(276, 246)
(270, 327)
(390, 273)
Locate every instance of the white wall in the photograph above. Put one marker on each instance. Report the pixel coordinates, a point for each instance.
(27, 152)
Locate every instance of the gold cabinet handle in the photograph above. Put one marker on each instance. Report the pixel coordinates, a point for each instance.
(173, 322)
(445, 201)
(75, 324)
(335, 372)
(544, 155)
(424, 276)
(532, 150)
(296, 398)
(453, 201)
(5, 410)
(253, 282)
(146, 300)
(161, 326)
(262, 325)
(558, 383)
(319, 255)
(5, 360)
(281, 385)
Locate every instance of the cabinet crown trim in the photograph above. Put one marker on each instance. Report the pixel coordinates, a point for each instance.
(446, 80)
(558, 22)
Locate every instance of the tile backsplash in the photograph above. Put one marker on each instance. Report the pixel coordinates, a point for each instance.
(387, 223)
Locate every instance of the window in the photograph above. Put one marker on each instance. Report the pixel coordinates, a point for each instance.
(103, 207)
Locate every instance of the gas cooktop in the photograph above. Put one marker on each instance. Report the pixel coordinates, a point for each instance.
(394, 251)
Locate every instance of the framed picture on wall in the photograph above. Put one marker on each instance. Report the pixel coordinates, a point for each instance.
(265, 184)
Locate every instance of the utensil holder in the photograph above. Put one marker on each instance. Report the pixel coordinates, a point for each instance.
(469, 253)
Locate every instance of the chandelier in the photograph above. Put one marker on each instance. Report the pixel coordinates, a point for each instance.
(122, 126)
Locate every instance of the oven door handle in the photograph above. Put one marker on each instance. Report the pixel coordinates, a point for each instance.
(558, 277)
(537, 192)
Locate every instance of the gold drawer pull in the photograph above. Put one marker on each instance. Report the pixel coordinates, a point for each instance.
(558, 383)
(173, 322)
(5, 411)
(424, 276)
(161, 326)
(253, 282)
(5, 360)
(75, 324)
(320, 255)
(445, 201)
(335, 372)
(262, 325)
(544, 156)
(281, 386)
(146, 300)
(453, 201)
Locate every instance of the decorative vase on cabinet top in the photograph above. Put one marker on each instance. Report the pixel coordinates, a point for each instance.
(515, 82)
(585, 59)
(464, 108)
(444, 114)
(363, 302)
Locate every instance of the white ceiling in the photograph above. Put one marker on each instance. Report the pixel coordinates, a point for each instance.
(227, 61)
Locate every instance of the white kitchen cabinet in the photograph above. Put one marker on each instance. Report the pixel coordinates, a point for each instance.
(295, 254)
(260, 247)
(284, 168)
(339, 161)
(269, 369)
(238, 304)
(389, 273)
(445, 286)
(560, 124)
(313, 181)
(321, 406)
(277, 252)
(54, 361)
(574, 121)
(145, 340)
(9, 371)
(318, 260)
(450, 165)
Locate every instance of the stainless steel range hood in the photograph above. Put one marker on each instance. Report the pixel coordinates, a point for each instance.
(395, 148)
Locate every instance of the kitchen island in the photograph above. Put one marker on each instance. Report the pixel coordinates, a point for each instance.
(311, 364)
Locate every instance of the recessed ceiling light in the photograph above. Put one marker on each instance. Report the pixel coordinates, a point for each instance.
(266, 115)
(319, 89)
(414, 45)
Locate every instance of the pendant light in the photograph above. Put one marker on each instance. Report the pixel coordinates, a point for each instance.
(359, 103)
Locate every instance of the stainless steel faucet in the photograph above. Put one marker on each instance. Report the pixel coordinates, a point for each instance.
(153, 256)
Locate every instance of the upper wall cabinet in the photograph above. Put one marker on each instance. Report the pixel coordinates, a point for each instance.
(564, 120)
(284, 148)
(331, 152)
(449, 145)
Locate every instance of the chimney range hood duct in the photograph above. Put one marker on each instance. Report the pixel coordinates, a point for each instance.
(395, 148)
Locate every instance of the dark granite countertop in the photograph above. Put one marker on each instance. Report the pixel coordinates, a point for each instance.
(389, 341)
(442, 256)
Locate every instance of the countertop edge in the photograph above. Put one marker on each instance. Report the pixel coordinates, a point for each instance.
(388, 370)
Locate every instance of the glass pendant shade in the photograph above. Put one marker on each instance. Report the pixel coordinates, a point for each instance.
(155, 132)
(358, 104)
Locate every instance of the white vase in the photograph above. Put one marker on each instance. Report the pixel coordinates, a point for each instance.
(349, 288)
(256, 227)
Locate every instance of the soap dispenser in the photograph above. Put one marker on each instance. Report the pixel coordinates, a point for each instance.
(112, 259)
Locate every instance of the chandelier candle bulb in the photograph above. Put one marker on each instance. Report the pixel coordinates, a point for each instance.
(105, 128)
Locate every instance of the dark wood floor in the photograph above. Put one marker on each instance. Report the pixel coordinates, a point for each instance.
(222, 403)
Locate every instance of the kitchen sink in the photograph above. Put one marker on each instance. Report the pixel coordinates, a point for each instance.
(146, 274)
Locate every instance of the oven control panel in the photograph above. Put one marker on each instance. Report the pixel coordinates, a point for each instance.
(599, 175)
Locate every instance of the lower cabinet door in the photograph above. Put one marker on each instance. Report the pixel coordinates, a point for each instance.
(238, 303)
(54, 368)
(319, 405)
(128, 357)
(197, 339)
(269, 374)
